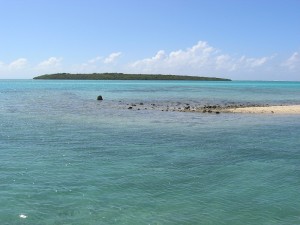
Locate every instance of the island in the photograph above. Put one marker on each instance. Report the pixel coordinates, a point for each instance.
(125, 76)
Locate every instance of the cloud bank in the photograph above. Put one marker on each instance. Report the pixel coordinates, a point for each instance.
(201, 59)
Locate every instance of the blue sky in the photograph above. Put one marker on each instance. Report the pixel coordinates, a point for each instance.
(238, 39)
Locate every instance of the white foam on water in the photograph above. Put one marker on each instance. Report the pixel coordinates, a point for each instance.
(22, 216)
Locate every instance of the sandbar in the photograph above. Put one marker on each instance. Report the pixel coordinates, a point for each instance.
(284, 109)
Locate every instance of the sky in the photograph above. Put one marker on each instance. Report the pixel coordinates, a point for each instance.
(236, 39)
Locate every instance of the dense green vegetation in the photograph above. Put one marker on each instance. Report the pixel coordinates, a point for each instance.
(123, 76)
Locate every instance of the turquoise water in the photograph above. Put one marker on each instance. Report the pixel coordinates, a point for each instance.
(66, 158)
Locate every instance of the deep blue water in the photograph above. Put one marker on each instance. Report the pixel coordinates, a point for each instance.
(66, 158)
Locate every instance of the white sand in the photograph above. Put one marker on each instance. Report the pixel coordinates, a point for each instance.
(287, 109)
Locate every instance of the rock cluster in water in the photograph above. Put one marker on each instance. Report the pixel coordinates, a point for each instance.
(184, 107)
(99, 98)
(187, 107)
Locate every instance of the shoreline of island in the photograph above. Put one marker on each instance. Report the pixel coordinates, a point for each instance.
(124, 76)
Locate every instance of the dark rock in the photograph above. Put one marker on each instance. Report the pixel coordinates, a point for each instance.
(209, 111)
(130, 107)
(141, 103)
(99, 98)
(217, 112)
(204, 111)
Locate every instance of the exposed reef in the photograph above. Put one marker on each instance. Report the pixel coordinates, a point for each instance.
(189, 107)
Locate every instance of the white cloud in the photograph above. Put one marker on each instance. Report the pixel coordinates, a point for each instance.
(17, 64)
(90, 66)
(245, 62)
(225, 62)
(15, 69)
(95, 60)
(197, 60)
(176, 61)
(97, 64)
(112, 57)
(292, 62)
(50, 63)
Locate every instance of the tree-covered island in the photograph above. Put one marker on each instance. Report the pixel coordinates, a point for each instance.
(124, 76)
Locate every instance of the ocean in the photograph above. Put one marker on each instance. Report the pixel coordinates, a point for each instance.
(66, 158)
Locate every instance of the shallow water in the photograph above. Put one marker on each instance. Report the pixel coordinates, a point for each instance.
(66, 158)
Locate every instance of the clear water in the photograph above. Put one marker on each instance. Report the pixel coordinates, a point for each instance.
(66, 158)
